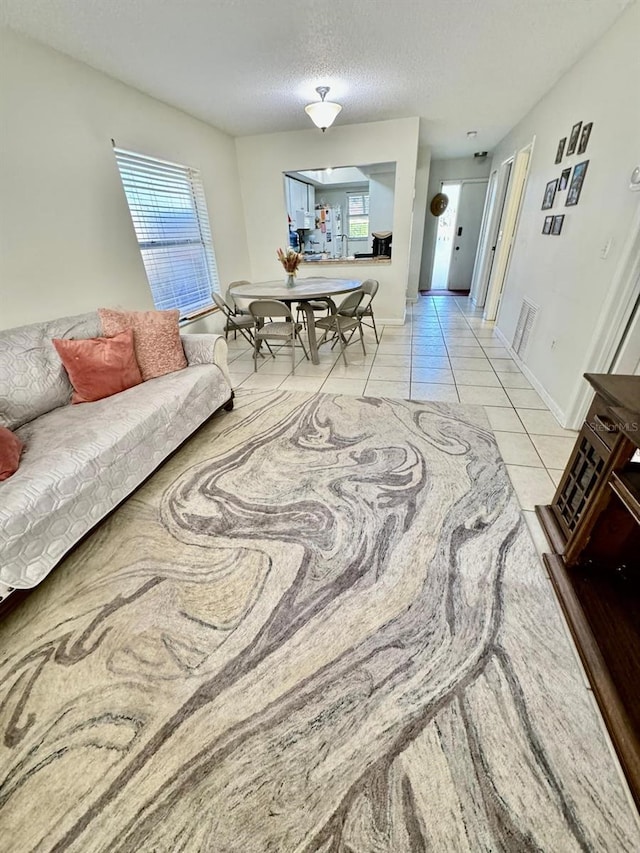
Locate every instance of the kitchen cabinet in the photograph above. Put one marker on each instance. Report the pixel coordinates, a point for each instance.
(299, 196)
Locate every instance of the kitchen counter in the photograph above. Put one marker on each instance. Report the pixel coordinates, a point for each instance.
(347, 261)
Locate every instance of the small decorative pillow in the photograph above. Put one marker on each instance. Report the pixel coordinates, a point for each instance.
(10, 450)
(99, 367)
(156, 337)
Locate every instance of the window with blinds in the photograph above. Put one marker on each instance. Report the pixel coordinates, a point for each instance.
(169, 215)
(358, 213)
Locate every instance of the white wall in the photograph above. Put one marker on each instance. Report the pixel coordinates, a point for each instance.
(456, 169)
(381, 191)
(67, 243)
(262, 160)
(565, 275)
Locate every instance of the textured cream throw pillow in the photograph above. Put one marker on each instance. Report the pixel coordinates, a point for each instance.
(156, 338)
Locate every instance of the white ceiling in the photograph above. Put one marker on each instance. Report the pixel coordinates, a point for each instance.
(250, 66)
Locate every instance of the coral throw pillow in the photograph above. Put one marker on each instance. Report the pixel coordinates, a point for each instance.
(10, 450)
(156, 337)
(99, 367)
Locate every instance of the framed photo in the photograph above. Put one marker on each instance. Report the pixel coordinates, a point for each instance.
(573, 138)
(564, 179)
(560, 151)
(556, 228)
(584, 138)
(549, 194)
(548, 222)
(577, 179)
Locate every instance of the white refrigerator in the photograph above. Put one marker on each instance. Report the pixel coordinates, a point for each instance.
(326, 237)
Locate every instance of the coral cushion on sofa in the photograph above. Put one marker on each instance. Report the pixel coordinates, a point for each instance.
(156, 336)
(99, 367)
(10, 450)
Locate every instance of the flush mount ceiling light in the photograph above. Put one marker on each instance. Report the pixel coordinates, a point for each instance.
(471, 134)
(322, 113)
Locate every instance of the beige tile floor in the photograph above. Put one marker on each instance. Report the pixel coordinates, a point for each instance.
(446, 352)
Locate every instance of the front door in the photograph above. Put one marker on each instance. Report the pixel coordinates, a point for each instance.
(466, 234)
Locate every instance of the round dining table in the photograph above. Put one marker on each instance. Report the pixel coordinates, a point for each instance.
(303, 291)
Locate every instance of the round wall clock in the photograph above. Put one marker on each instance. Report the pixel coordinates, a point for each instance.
(439, 204)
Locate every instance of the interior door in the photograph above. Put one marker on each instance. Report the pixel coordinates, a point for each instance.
(507, 232)
(466, 235)
(495, 209)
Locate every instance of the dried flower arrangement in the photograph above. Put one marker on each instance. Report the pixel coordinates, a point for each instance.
(290, 260)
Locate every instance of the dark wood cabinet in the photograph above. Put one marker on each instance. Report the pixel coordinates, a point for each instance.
(593, 528)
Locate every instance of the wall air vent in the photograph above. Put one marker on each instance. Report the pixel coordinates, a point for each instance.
(528, 314)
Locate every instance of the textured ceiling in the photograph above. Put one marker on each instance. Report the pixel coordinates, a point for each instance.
(250, 66)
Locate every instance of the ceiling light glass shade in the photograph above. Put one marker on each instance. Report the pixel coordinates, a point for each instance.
(323, 113)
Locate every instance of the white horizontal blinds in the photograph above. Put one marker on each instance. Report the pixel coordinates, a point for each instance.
(358, 204)
(169, 215)
(358, 209)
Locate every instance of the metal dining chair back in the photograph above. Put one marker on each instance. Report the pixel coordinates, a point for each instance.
(369, 287)
(343, 319)
(239, 305)
(285, 330)
(234, 323)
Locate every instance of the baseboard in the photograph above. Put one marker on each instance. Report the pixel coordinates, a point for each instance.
(559, 414)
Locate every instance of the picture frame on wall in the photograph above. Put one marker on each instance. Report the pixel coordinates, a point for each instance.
(560, 151)
(549, 194)
(573, 138)
(548, 222)
(556, 227)
(564, 179)
(577, 180)
(584, 138)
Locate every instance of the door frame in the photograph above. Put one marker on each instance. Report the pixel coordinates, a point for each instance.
(617, 310)
(508, 227)
(627, 358)
(443, 184)
(462, 182)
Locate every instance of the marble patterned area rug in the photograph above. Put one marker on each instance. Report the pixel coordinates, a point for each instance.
(321, 626)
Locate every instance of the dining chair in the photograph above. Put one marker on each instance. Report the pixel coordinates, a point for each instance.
(322, 303)
(237, 304)
(369, 287)
(319, 304)
(234, 322)
(285, 330)
(344, 319)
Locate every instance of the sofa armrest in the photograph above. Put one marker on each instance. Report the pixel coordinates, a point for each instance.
(207, 349)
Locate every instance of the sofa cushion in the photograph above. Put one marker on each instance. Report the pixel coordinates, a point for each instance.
(81, 461)
(156, 336)
(32, 378)
(10, 450)
(99, 367)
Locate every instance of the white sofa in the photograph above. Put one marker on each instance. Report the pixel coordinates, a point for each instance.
(81, 461)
